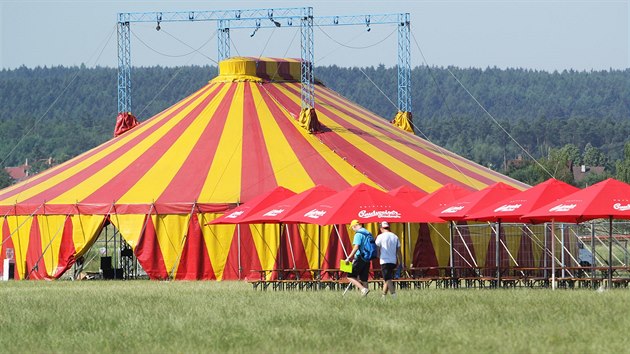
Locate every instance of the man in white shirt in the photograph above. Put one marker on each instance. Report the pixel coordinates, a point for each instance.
(388, 246)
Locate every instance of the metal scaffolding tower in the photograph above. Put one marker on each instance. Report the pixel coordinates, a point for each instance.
(404, 63)
(124, 67)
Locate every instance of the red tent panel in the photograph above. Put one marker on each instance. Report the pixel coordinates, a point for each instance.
(148, 252)
(35, 265)
(66, 249)
(194, 263)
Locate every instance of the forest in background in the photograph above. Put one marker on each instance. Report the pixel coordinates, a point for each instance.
(561, 118)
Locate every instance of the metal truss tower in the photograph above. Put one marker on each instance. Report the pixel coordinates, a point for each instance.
(307, 76)
(124, 67)
(404, 63)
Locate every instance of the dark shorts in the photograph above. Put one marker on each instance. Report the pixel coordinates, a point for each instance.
(389, 270)
(360, 269)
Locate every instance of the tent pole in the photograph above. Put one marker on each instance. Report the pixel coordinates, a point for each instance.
(610, 240)
(553, 255)
(290, 245)
(545, 250)
(319, 248)
(279, 257)
(238, 243)
(497, 251)
(408, 248)
(404, 241)
(340, 241)
(562, 255)
(451, 261)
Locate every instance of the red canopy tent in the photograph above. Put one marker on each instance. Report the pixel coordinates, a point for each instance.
(407, 193)
(603, 200)
(609, 199)
(238, 214)
(512, 208)
(462, 207)
(442, 196)
(361, 202)
(274, 214)
(447, 194)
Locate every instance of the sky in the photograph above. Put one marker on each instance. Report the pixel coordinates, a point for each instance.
(541, 35)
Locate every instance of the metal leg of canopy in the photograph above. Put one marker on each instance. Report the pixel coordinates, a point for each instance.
(451, 262)
(593, 253)
(553, 255)
(610, 241)
(497, 251)
(238, 251)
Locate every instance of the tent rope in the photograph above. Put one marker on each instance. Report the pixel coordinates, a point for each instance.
(461, 237)
(480, 105)
(445, 153)
(54, 102)
(340, 241)
(378, 88)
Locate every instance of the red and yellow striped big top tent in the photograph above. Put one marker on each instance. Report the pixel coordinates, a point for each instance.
(237, 137)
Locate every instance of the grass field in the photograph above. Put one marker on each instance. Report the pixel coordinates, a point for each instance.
(153, 316)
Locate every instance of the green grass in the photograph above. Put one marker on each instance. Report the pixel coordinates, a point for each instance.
(152, 316)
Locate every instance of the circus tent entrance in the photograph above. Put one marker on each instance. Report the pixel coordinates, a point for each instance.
(109, 257)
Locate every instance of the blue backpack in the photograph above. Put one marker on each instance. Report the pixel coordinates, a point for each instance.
(368, 246)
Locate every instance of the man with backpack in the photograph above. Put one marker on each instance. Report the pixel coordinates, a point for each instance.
(389, 252)
(363, 251)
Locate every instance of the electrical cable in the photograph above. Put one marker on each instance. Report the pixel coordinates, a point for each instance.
(318, 60)
(352, 47)
(175, 55)
(198, 49)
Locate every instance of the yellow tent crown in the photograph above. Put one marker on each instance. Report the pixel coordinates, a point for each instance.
(238, 69)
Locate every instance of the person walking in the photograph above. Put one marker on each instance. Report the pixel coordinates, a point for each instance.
(360, 264)
(388, 246)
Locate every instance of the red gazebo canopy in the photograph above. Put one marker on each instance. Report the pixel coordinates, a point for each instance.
(606, 199)
(512, 208)
(461, 208)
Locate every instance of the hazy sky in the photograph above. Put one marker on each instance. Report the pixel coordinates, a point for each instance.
(545, 35)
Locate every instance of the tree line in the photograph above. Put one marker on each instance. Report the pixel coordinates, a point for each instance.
(60, 112)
